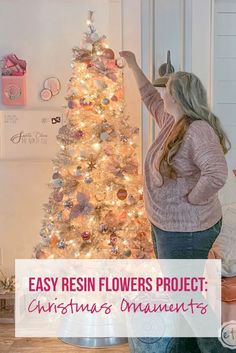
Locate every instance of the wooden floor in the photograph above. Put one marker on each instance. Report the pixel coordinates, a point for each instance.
(10, 344)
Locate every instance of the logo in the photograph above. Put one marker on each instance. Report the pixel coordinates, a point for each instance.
(228, 334)
(56, 120)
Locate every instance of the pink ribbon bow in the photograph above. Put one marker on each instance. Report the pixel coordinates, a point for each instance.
(12, 66)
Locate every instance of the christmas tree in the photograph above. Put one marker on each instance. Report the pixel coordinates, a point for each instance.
(95, 208)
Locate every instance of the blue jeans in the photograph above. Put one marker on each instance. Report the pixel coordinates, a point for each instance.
(184, 245)
(180, 245)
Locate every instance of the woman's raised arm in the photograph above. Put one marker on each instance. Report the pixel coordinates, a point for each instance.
(149, 95)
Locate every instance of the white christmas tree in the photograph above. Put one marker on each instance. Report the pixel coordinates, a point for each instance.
(95, 209)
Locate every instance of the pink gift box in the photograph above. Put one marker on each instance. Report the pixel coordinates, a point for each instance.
(14, 90)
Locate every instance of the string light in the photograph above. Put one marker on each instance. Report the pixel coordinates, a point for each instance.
(96, 146)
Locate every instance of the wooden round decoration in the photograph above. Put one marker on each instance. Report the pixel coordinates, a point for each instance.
(53, 84)
(46, 94)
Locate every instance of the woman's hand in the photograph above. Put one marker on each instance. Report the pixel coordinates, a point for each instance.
(129, 57)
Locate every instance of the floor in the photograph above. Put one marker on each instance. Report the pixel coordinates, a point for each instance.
(10, 344)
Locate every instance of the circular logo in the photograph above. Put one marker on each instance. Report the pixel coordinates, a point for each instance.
(228, 334)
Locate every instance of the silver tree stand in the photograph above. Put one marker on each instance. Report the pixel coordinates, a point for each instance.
(94, 342)
(89, 327)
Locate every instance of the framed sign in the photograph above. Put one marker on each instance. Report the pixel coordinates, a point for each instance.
(29, 134)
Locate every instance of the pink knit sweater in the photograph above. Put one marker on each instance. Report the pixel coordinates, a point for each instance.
(190, 203)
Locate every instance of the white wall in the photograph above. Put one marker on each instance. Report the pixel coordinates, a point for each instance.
(214, 39)
(224, 66)
(43, 33)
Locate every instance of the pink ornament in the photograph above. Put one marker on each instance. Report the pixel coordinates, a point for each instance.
(108, 53)
(40, 254)
(131, 168)
(113, 238)
(78, 134)
(56, 175)
(58, 196)
(72, 104)
(108, 151)
(114, 98)
(82, 197)
(85, 236)
(84, 103)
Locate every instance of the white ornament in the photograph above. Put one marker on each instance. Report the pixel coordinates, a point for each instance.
(100, 85)
(104, 136)
(94, 37)
(96, 147)
(131, 200)
(83, 154)
(88, 46)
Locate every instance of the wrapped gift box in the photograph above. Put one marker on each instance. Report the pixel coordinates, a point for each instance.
(14, 90)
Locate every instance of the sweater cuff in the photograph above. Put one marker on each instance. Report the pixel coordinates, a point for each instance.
(147, 88)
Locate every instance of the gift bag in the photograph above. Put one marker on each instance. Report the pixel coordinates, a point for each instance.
(13, 80)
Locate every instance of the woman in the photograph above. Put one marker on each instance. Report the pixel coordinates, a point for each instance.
(184, 169)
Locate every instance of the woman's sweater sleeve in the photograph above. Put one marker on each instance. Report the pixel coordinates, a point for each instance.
(207, 154)
(154, 103)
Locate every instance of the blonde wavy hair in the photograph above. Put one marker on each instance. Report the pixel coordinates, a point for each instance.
(189, 92)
